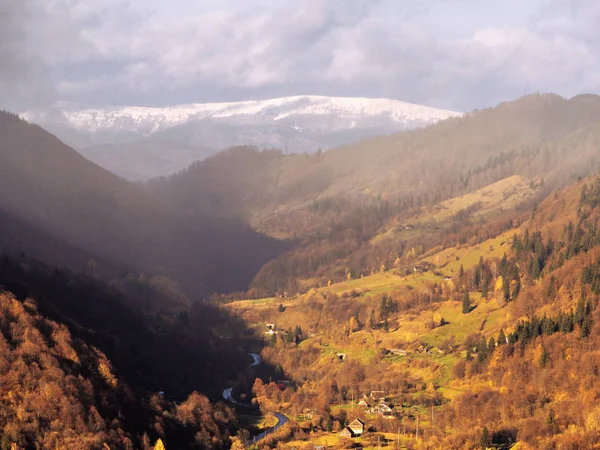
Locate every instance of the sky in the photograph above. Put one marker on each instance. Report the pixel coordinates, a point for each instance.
(453, 54)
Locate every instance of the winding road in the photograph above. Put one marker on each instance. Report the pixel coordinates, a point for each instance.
(256, 358)
(282, 418)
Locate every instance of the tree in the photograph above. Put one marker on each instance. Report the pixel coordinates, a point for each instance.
(159, 445)
(461, 276)
(281, 308)
(501, 337)
(353, 325)
(485, 285)
(466, 305)
(372, 320)
(485, 441)
(544, 356)
(236, 443)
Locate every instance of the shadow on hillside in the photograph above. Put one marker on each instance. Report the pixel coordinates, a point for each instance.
(176, 354)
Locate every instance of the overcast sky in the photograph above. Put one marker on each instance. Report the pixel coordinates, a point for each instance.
(454, 54)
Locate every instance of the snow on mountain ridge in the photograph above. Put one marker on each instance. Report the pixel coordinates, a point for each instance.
(149, 120)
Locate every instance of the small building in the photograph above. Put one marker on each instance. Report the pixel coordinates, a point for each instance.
(382, 409)
(346, 433)
(363, 404)
(377, 395)
(357, 427)
(271, 329)
(341, 356)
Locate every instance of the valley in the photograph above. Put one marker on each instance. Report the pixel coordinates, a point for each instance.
(435, 288)
(410, 338)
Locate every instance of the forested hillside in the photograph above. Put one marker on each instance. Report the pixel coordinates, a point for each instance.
(59, 391)
(481, 344)
(333, 204)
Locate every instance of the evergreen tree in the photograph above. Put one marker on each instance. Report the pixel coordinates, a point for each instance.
(586, 327)
(503, 265)
(372, 320)
(469, 355)
(384, 309)
(506, 289)
(485, 286)
(477, 277)
(466, 304)
(159, 445)
(485, 441)
(491, 345)
(501, 337)
(543, 356)
(580, 311)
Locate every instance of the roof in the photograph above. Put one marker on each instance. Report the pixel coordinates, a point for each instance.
(346, 432)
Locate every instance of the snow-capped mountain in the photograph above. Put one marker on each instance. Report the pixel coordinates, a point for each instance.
(140, 142)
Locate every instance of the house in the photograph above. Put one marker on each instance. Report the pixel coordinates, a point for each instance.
(271, 329)
(382, 409)
(357, 427)
(363, 404)
(346, 433)
(378, 395)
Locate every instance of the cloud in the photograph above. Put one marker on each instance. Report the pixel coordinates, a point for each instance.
(21, 76)
(430, 51)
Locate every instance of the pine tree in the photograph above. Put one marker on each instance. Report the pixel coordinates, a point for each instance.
(159, 445)
(466, 305)
(501, 337)
(586, 327)
(353, 325)
(503, 266)
(461, 276)
(491, 345)
(485, 441)
(543, 357)
(580, 311)
(372, 320)
(506, 289)
(477, 277)
(485, 288)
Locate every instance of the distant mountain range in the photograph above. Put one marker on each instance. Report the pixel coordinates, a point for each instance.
(139, 143)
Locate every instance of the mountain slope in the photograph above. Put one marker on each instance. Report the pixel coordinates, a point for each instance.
(479, 148)
(481, 344)
(49, 189)
(337, 201)
(294, 124)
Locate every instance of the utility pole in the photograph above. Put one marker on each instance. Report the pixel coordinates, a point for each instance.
(352, 407)
(432, 415)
